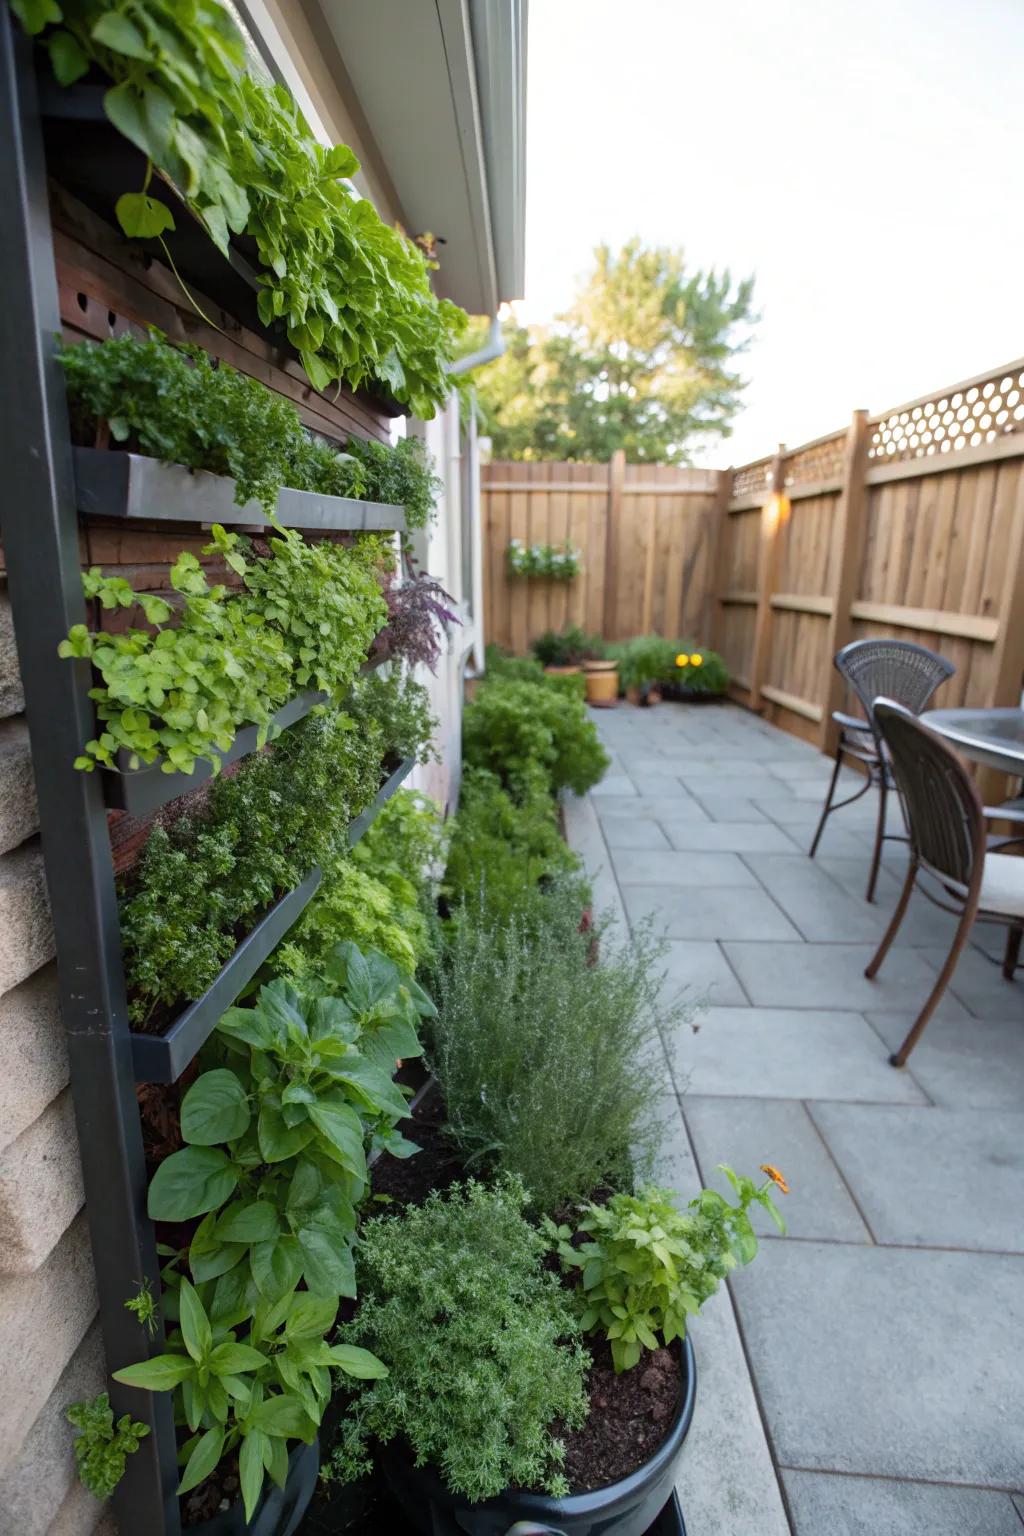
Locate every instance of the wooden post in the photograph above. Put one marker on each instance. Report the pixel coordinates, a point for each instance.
(772, 513)
(848, 546)
(616, 479)
(1008, 661)
(718, 565)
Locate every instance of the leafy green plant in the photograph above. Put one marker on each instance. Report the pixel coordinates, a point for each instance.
(101, 1446)
(511, 727)
(353, 294)
(503, 848)
(305, 619)
(645, 660)
(349, 904)
(208, 875)
(547, 1061)
(567, 649)
(700, 670)
(520, 669)
(481, 1344)
(647, 1266)
(553, 562)
(392, 699)
(143, 1306)
(297, 1087)
(402, 475)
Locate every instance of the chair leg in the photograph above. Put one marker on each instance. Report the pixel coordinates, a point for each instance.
(827, 807)
(1011, 959)
(899, 1058)
(876, 857)
(894, 923)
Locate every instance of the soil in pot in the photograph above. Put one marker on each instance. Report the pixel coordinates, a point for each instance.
(630, 1415)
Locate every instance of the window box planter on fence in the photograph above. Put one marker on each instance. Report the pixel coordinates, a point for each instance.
(163, 1058)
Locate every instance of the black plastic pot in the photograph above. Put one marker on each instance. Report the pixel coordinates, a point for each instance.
(279, 1510)
(630, 1507)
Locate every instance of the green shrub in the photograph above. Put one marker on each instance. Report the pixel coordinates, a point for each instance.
(519, 669)
(699, 670)
(101, 1447)
(481, 1344)
(501, 848)
(261, 831)
(511, 728)
(647, 1266)
(550, 1063)
(567, 649)
(645, 660)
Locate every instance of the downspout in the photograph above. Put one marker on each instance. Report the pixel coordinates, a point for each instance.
(494, 348)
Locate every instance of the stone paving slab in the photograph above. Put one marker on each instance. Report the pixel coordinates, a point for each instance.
(923, 925)
(632, 832)
(649, 809)
(713, 912)
(724, 807)
(979, 984)
(790, 1053)
(639, 866)
(698, 968)
(822, 975)
(824, 1504)
(815, 905)
(895, 1362)
(961, 1062)
(724, 837)
(748, 1132)
(948, 1178)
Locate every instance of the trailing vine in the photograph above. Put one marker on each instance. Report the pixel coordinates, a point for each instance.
(353, 294)
(304, 618)
(178, 405)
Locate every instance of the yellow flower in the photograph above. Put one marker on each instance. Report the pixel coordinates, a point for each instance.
(775, 1176)
(695, 661)
(682, 660)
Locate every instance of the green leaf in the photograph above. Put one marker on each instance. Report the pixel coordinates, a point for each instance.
(36, 15)
(114, 30)
(160, 1373)
(357, 1362)
(145, 117)
(279, 1141)
(195, 1325)
(203, 1459)
(252, 1222)
(67, 59)
(310, 1317)
(319, 374)
(190, 1183)
(276, 1267)
(250, 1467)
(342, 1131)
(231, 1359)
(326, 1255)
(215, 1109)
(284, 1416)
(142, 217)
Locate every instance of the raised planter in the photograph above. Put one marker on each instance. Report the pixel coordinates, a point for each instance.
(629, 1507)
(280, 1509)
(140, 489)
(602, 682)
(163, 1058)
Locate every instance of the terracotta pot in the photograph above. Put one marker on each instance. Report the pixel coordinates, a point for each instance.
(634, 695)
(563, 671)
(654, 696)
(603, 686)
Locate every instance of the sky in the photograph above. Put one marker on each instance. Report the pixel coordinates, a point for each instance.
(862, 160)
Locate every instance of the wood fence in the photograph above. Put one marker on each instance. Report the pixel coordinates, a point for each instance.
(907, 523)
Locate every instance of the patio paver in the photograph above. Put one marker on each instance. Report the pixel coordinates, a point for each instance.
(884, 1335)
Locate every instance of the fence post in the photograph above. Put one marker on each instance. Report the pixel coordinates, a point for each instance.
(1008, 661)
(616, 479)
(848, 546)
(767, 566)
(718, 565)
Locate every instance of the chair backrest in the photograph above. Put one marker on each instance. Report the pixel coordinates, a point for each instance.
(943, 809)
(892, 669)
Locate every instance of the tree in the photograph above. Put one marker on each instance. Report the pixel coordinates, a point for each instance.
(641, 361)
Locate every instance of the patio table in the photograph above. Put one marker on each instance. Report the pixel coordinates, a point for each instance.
(994, 737)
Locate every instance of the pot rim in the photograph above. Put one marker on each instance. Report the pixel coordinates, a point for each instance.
(595, 664)
(626, 1489)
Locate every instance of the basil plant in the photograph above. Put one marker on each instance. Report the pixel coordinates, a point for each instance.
(274, 1167)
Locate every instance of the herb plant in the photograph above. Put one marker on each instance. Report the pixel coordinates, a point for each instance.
(512, 727)
(567, 649)
(418, 615)
(208, 875)
(481, 1343)
(647, 1266)
(101, 1447)
(400, 707)
(304, 619)
(645, 660)
(700, 670)
(549, 1063)
(177, 405)
(350, 903)
(555, 562)
(352, 294)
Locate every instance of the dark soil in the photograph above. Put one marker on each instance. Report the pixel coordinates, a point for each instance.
(630, 1415)
(215, 1492)
(438, 1163)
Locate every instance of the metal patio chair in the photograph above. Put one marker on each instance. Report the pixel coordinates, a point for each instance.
(948, 859)
(894, 669)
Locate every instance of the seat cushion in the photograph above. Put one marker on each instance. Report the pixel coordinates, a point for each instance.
(1002, 885)
(850, 722)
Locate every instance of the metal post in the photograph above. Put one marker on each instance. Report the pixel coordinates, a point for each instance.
(40, 533)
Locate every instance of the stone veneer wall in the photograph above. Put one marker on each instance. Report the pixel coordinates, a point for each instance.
(50, 1343)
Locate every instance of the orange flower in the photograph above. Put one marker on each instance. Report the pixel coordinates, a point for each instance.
(682, 660)
(775, 1176)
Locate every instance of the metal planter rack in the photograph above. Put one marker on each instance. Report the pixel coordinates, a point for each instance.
(46, 483)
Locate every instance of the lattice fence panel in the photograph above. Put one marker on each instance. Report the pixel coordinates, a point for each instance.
(817, 462)
(752, 479)
(951, 422)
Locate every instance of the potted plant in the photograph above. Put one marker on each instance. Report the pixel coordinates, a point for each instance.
(601, 672)
(700, 675)
(561, 654)
(646, 662)
(488, 1352)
